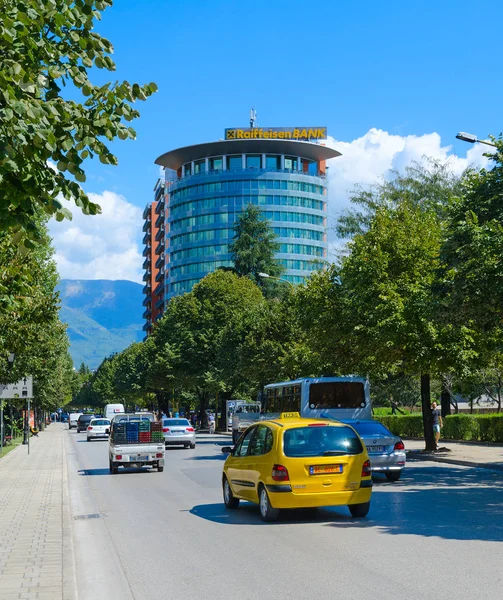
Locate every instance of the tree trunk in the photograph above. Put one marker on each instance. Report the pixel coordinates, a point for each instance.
(429, 439)
(445, 400)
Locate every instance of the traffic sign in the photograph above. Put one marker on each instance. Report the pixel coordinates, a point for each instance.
(21, 389)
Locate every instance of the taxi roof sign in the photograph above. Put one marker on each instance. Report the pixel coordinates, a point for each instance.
(290, 415)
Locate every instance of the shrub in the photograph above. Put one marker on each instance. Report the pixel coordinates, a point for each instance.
(478, 428)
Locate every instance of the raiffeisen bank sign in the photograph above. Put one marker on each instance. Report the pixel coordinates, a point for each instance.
(275, 133)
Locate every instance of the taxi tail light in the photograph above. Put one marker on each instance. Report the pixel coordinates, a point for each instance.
(118, 457)
(280, 473)
(165, 429)
(190, 429)
(366, 472)
(89, 428)
(399, 445)
(158, 455)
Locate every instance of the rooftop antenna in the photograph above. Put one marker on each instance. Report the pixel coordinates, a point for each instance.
(253, 118)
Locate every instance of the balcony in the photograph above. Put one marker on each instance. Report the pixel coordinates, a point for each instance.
(146, 264)
(160, 303)
(159, 206)
(159, 222)
(146, 211)
(146, 237)
(147, 300)
(146, 250)
(147, 275)
(159, 263)
(147, 314)
(147, 327)
(147, 289)
(160, 276)
(160, 234)
(147, 225)
(159, 290)
(160, 247)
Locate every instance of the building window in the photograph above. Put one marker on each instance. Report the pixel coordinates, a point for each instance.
(273, 162)
(235, 162)
(200, 166)
(291, 163)
(253, 161)
(216, 163)
(187, 169)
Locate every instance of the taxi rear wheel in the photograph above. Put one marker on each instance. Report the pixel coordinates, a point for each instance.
(359, 510)
(267, 512)
(229, 500)
(393, 475)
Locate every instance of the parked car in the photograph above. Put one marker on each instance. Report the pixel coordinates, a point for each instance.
(98, 429)
(295, 462)
(178, 432)
(83, 422)
(386, 450)
(72, 420)
(64, 417)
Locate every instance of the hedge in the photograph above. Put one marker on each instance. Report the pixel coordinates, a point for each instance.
(476, 428)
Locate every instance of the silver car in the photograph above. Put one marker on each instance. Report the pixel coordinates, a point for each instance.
(178, 432)
(386, 451)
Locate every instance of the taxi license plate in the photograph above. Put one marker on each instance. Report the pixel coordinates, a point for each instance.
(321, 469)
(375, 449)
(138, 458)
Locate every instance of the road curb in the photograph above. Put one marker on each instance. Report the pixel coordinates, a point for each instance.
(70, 590)
(453, 461)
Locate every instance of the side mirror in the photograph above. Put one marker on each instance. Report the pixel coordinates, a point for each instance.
(226, 450)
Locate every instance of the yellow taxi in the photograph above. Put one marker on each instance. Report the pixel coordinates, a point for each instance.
(293, 462)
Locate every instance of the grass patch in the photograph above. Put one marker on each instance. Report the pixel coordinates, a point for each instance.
(15, 443)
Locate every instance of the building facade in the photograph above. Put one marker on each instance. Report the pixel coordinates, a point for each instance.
(207, 187)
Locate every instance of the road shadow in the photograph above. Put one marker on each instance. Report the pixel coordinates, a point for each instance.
(213, 442)
(430, 501)
(220, 457)
(122, 471)
(249, 514)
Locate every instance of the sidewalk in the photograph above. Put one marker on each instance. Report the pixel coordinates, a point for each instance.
(36, 551)
(488, 456)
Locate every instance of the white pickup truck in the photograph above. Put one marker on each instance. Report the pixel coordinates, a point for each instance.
(136, 439)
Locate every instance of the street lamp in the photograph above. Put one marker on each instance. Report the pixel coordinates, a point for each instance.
(267, 276)
(471, 139)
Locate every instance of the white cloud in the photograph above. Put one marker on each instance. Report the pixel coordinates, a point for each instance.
(370, 158)
(105, 246)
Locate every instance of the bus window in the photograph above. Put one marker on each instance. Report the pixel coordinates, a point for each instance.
(336, 394)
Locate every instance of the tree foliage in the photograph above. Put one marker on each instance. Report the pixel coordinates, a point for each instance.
(44, 47)
(254, 245)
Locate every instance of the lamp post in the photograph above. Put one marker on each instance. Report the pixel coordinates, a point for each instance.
(472, 139)
(267, 276)
(10, 362)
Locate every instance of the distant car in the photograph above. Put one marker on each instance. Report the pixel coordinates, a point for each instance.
(64, 417)
(178, 432)
(98, 429)
(83, 422)
(386, 450)
(72, 420)
(292, 462)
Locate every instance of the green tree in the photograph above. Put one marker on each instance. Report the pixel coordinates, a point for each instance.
(254, 245)
(45, 46)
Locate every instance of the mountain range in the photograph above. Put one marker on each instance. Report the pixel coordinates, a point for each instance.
(103, 317)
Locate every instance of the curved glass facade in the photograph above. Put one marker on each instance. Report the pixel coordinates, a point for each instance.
(209, 195)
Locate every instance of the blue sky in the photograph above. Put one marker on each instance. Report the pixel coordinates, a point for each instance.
(392, 81)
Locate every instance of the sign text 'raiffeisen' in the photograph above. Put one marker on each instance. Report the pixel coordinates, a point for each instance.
(277, 133)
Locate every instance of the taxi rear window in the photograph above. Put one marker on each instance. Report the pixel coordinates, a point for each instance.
(321, 441)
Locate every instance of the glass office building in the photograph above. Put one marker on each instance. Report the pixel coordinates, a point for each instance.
(207, 187)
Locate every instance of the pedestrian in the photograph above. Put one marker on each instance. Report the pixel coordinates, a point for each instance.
(436, 416)
(211, 423)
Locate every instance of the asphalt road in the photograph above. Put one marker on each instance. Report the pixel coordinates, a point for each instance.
(153, 536)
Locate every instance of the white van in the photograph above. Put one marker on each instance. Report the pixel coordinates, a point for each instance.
(111, 410)
(72, 420)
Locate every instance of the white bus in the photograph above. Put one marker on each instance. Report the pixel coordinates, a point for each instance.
(319, 398)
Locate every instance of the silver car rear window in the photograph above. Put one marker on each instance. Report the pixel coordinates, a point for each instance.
(176, 422)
